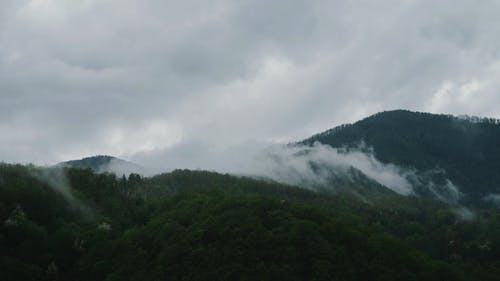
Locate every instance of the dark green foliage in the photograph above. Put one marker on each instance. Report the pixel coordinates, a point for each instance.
(467, 149)
(195, 225)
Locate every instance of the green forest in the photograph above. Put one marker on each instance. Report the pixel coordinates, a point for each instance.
(463, 149)
(75, 224)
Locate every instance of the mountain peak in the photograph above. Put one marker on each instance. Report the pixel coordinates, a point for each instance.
(104, 163)
(466, 148)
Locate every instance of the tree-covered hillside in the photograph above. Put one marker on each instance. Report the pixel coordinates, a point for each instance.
(74, 224)
(95, 162)
(104, 163)
(467, 149)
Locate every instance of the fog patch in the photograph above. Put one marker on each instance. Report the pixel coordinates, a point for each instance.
(56, 179)
(464, 213)
(316, 164)
(448, 192)
(493, 198)
(434, 183)
(120, 167)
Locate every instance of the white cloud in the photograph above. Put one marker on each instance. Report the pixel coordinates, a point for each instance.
(132, 76)
(314, 165)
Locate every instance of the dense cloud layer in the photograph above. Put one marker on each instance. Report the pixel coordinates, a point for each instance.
(156, 80)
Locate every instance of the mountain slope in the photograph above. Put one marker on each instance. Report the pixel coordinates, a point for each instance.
(105, 163)
(466, 149)
(197, 225)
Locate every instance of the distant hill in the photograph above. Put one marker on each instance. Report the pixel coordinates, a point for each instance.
(105, 163)
(464, 149)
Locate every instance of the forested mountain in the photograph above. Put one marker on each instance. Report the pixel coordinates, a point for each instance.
(104, 163)
(79, 221)
(75, 224)
(465, 150)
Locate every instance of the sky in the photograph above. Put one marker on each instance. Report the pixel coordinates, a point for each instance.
(200, 84)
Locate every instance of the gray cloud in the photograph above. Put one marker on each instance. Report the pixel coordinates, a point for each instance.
(152, 79)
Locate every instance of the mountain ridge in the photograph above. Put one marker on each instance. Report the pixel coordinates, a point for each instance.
(104, 163)
(465, 149)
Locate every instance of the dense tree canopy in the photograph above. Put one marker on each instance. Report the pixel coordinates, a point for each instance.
(74, 224)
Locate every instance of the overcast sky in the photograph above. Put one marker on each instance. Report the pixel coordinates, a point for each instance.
(175, 81)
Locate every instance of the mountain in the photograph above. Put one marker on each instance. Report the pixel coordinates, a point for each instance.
(80, 223)
(465, 150)
(75, 224)
(105, 163)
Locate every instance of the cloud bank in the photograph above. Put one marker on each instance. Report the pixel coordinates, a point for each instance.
(318, 164)
(131, 78)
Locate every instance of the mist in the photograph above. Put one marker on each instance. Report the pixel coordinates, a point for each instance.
(315, 166)
(56, 179)
(120, 167)
(493, 198)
